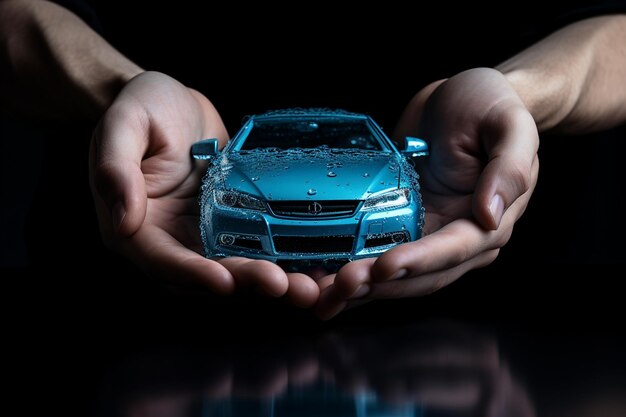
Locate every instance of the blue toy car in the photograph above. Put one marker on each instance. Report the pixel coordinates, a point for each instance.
(309, 184)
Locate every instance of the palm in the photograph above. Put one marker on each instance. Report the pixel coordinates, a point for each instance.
(475, 184)
(141, 151)
(172, 184)
(146, 190)
(176, 217)
(444, 209)
(460, 141)
(449, 178)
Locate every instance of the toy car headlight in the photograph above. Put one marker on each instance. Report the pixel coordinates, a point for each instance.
(390, 199)
(238, 200)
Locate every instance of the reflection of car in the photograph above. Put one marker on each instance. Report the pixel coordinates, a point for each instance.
(309, 184)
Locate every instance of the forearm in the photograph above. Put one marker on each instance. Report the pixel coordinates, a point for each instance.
(575, 79)
(55, 66)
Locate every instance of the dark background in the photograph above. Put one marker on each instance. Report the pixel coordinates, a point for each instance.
(552, 278)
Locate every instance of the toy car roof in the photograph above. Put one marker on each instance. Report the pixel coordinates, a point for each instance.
(302, 112)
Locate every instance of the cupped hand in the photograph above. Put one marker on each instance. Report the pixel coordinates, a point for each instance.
(476, 184)
(145, 186)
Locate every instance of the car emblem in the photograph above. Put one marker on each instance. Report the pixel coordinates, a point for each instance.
(315, 208)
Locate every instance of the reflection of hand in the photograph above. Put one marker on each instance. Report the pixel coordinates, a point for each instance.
(145, 187)
(475, 185)
(441, 366)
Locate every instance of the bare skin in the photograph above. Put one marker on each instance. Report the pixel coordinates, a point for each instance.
(146, 190)
(54, 66)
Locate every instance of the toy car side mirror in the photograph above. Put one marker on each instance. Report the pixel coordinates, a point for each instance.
(415, 147)
(204, 149)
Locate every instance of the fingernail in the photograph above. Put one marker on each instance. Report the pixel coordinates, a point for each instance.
(362, 291)
(117, 215)
(400, 274)
(496, 207)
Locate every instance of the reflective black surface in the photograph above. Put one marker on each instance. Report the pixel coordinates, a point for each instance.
(438, 368)
(490, 345)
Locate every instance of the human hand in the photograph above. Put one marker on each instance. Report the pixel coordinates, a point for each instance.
(145, 186)
(476, 184)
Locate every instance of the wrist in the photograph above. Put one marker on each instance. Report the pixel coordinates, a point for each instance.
(547, 97)
(102, 89)
(55, 66)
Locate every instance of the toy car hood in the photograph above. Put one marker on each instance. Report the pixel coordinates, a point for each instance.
(320, 176)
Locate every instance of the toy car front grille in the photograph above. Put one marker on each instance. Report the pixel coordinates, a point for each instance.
(307, 208)
(314, 244)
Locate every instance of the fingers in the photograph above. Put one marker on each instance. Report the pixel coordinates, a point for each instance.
(352, 281)
(302, 291)
(429, 283)
(157, 252)
(271, 280)
(511, 143)
(330, 304)
(422, 267)
(268, 278)
(118, 145)
(452, 245)
(162, 255)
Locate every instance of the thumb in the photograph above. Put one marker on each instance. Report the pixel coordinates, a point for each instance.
(117, 182)
(511, 143)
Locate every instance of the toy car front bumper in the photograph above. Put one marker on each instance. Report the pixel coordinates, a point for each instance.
(259, 235)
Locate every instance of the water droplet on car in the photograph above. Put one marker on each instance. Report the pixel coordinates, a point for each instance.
(312, 191)
(365, 174)
(331, 174)
(254, 178)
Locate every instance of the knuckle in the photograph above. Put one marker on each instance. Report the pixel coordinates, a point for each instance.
(459, 256)
(348, 279)
(487, 258)
(502, 238)
(520, 176)
(439, 282)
